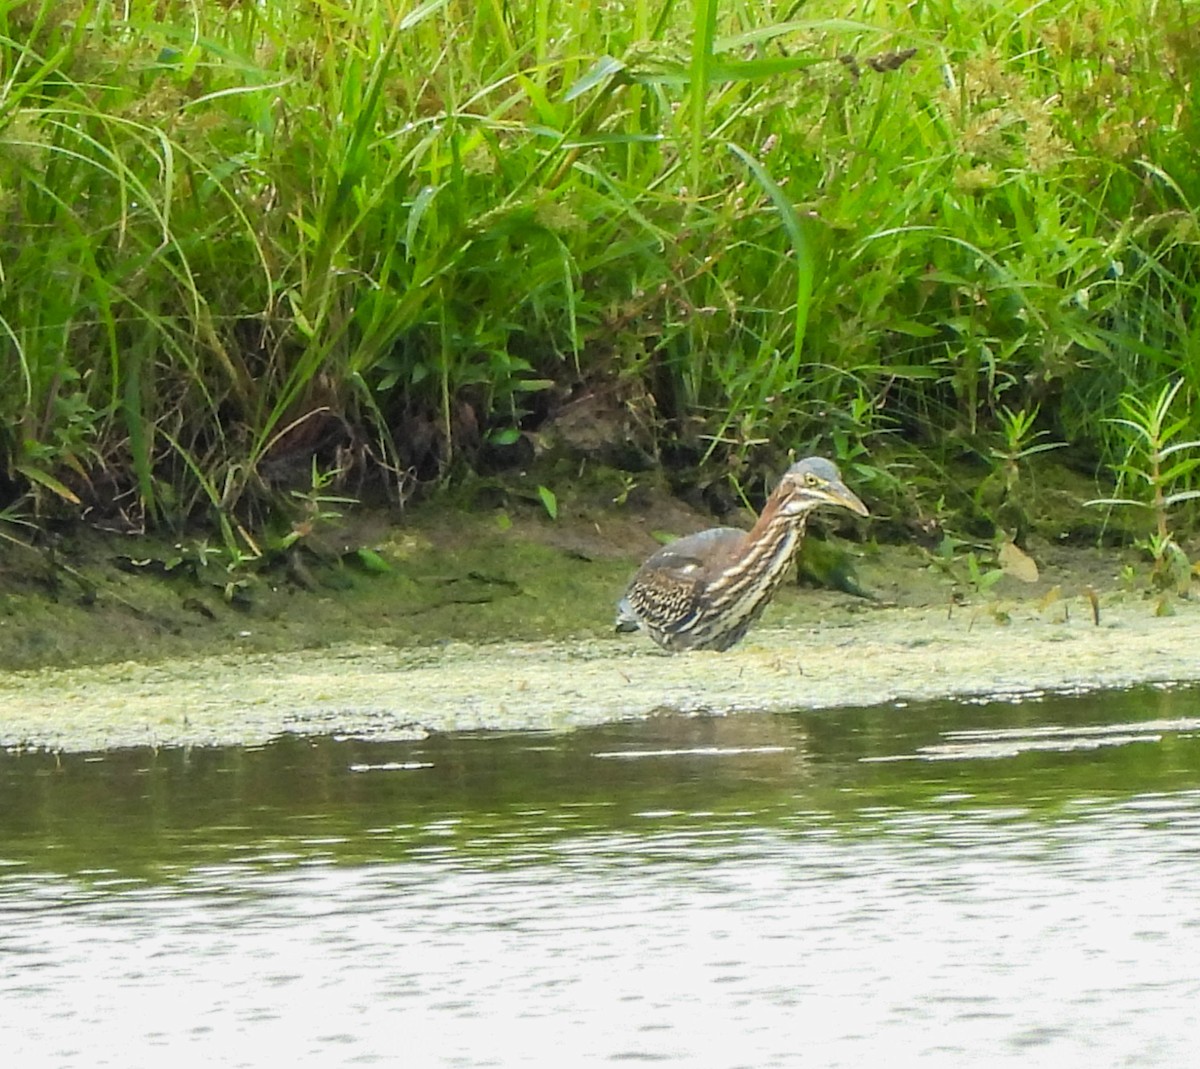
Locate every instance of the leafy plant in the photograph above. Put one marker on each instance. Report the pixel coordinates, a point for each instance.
(981, 578)
(11, 522)
(1001, 494)
(317, 508)
(1156, 463)
(1020, 439)
(237, 237)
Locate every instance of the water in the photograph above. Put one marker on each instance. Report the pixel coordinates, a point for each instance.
(951, 884)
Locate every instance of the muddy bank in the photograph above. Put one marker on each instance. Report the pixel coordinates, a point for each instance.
(503, 620)
(845, 654)
(440, 574)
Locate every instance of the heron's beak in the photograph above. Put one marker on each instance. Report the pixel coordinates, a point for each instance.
(844, 497)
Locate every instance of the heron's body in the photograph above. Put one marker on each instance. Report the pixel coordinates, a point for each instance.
(705, 591)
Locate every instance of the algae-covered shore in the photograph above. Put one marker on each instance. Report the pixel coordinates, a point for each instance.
(825, 657)
(467, 623)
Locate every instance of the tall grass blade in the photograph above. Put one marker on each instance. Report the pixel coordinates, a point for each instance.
(801, 247)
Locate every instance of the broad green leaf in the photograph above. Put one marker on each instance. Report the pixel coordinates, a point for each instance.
(372, 561)
(42, 478)
(549, 501)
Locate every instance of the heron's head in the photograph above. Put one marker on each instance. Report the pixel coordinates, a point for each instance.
(812, 482)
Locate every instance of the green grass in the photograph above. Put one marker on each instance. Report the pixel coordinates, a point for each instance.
(247, 248)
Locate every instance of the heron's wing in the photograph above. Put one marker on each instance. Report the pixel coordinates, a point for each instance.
(670, 585)
(696, 556)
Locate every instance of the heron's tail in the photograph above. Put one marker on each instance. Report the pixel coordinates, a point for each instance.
(626, 619)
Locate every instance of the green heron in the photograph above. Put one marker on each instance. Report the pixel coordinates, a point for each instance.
(704, 591)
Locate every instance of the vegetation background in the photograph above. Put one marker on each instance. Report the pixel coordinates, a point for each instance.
(255, 255)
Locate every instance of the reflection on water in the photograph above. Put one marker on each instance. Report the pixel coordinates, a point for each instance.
(962, 884)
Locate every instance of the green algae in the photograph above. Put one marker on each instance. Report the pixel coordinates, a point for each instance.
(839, 657)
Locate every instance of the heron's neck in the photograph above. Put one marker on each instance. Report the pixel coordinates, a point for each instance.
(773, 523)
(741, 589)
(769, 544)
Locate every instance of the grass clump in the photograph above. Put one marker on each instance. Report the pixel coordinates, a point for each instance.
(247, 250)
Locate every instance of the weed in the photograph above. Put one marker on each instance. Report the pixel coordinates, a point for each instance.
(317, 508)
(981, 578)
(1157, 464)
(1002, 495)
(14, 524)
(237, 238)
(629, 483)
(1020, 440)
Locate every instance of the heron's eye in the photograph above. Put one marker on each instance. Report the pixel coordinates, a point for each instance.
(810, 479)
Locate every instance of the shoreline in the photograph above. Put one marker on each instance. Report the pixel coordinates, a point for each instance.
(825, 652)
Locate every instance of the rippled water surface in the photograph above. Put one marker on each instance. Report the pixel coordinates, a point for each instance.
(954, 884)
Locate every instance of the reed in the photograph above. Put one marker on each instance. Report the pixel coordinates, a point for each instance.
(380, 237)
